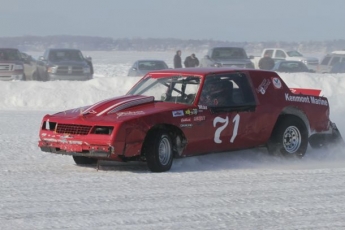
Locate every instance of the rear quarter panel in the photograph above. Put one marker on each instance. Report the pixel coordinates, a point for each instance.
(275, 98)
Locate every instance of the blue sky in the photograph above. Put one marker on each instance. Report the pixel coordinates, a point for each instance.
(227, 20)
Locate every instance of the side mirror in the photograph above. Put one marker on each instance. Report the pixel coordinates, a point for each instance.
(41, 58)
(134, 68)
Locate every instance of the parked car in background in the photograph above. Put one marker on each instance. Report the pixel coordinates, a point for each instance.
(64, 64)
(330, 60)
(281, 54)
(142, 67)
(234, 57)
(11, 65)
(291, 67)
(338, 67)
(184, 112)
(30, 67)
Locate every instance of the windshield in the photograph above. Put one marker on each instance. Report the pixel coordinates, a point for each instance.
(294, 53)
(65, 55)
(10, 55)
(229, 53)
(177, 89)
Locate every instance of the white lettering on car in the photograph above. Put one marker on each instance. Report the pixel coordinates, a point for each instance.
(306, 99)
(236, 120)
(225, 122)
(220, 129)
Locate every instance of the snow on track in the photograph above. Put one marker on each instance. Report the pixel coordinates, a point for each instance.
(238, 190)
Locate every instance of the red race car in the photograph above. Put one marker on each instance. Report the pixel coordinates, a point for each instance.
(184, 112)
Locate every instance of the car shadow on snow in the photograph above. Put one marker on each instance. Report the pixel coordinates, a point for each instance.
(236, 160)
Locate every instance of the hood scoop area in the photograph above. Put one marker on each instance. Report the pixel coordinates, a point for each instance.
(117, 104)
(128, 103)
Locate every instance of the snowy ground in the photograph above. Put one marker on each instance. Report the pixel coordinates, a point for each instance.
(238, 190)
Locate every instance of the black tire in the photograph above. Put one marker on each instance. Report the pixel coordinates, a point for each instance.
(289, 137)
(79, 160)
(158, 149)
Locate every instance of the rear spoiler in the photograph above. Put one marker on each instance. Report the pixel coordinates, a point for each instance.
(312, 92)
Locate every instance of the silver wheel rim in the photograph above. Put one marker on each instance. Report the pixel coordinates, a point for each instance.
(164, 151)
(292, 139)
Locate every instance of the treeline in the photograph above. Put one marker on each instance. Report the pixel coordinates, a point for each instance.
(89, 43)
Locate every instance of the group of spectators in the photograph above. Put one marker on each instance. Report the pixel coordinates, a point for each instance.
(266, 63)
(190, 61)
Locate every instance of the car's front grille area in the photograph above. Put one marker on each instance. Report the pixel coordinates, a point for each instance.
(6, 67)
(66, 70)
(313, 62)
(73, 129)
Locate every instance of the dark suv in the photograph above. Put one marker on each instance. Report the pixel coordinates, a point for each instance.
(64, 64)
(11, 65)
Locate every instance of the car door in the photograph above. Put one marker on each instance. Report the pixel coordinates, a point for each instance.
(224, 127)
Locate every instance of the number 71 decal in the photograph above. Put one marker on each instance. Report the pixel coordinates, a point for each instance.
(225, 121)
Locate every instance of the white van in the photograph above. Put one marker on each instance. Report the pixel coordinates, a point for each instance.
(330, 59)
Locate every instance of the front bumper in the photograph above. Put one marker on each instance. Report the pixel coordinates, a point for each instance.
(12, 76)
(84, 77)
(76, 149)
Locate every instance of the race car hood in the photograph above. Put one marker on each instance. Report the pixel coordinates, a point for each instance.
(107, 107)
(119, 109)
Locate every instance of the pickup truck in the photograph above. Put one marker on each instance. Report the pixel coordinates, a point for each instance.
(235, 57)
(64, 64)
(281, 54)
(11, 65)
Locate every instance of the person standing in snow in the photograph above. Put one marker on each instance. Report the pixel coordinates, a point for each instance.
(266, 63)
(191, 61)
(178, 60)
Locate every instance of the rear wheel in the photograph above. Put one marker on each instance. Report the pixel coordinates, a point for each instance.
(289, 137)
(159, 151)
(79, 160)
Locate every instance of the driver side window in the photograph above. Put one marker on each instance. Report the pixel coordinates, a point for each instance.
(226, 91)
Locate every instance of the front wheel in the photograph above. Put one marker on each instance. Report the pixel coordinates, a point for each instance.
(289, 137)
(159, 151)
(79, 160)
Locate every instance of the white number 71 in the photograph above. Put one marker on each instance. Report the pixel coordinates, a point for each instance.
(236, 120)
